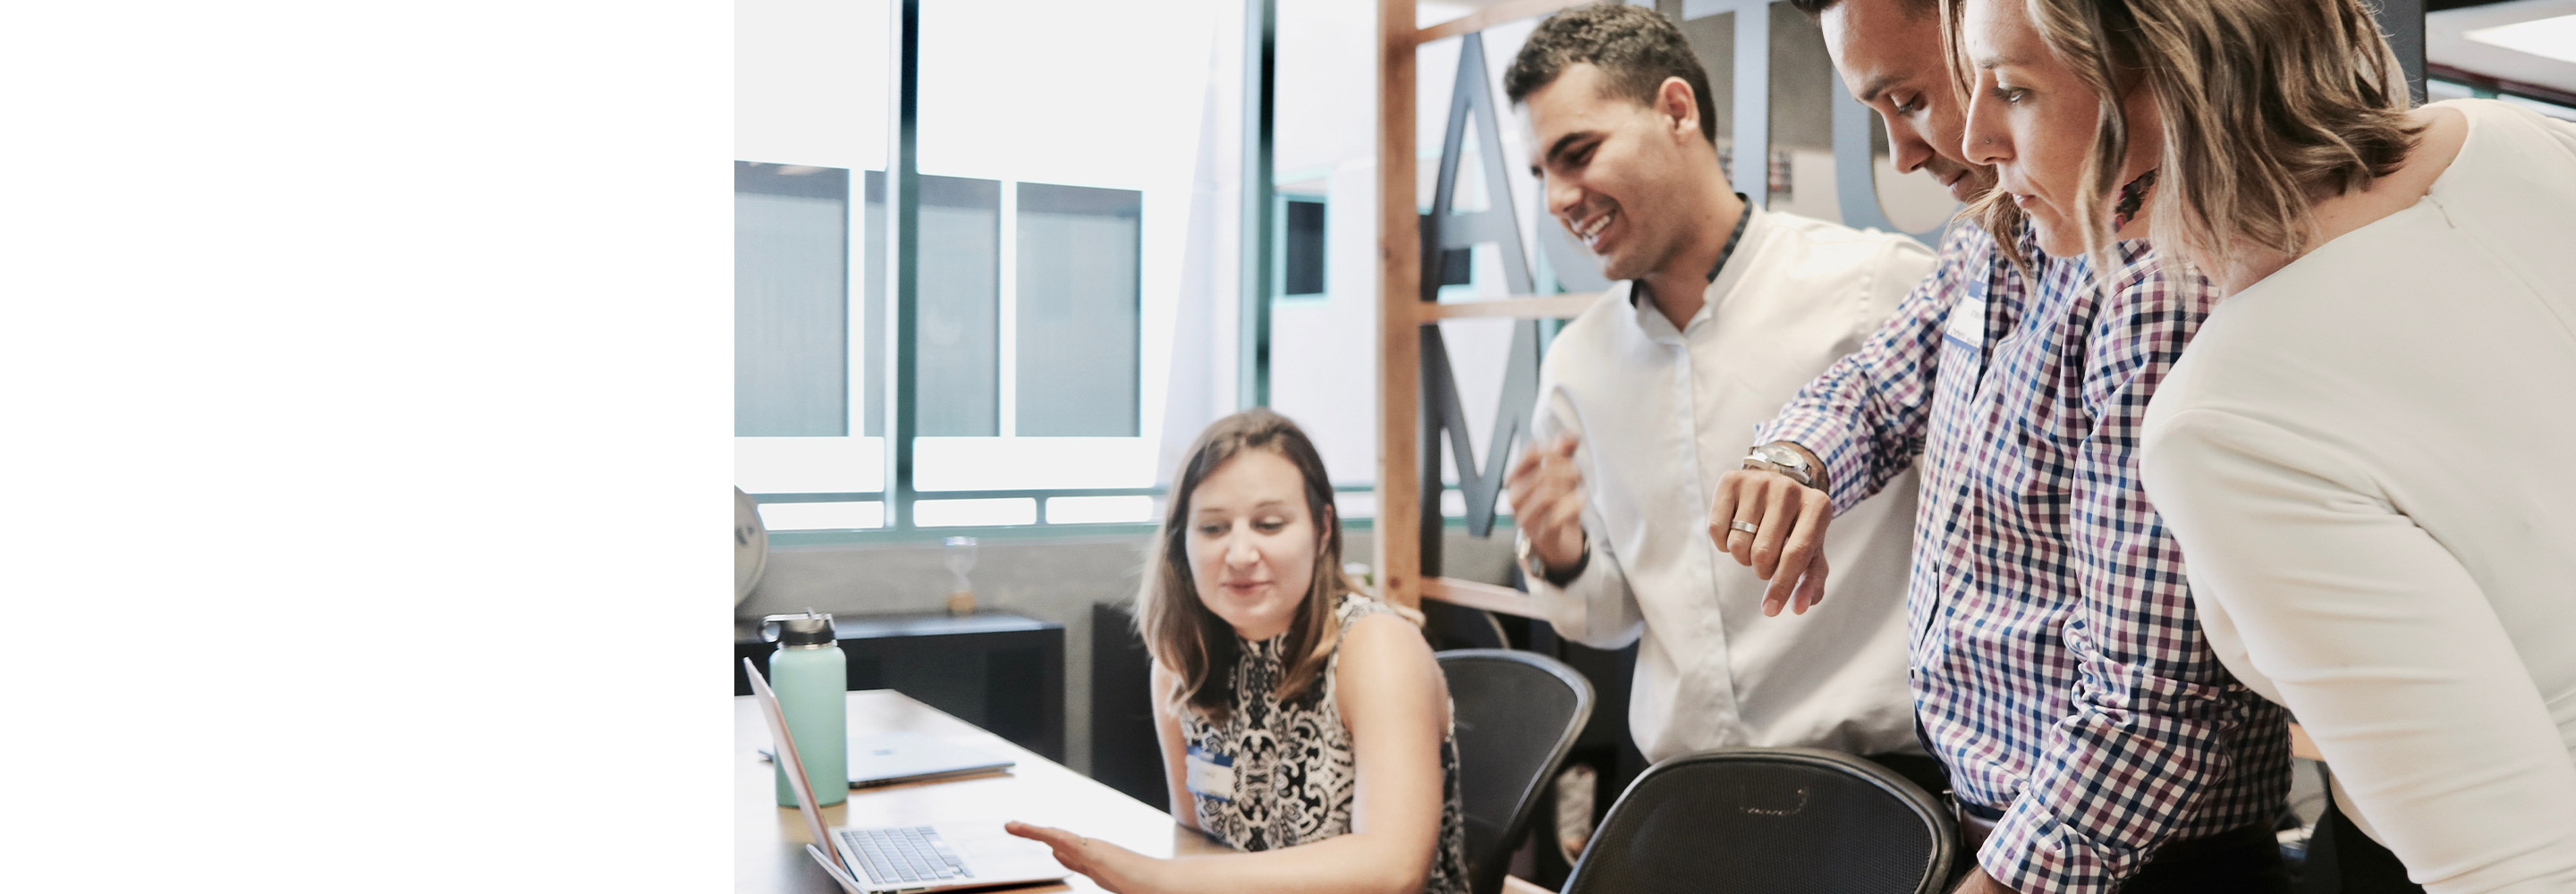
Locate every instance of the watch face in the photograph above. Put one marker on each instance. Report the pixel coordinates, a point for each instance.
(1785, 457)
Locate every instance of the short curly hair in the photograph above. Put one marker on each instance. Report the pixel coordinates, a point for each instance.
(1636, 47)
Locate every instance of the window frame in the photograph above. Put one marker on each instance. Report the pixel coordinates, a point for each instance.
(894, 449)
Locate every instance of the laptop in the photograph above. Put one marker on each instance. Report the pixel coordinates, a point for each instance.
(936, 856)
(900, 757)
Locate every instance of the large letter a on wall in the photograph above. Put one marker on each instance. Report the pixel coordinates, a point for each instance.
(1447, 233)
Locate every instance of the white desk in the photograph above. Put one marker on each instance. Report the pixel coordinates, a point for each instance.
(769, 840)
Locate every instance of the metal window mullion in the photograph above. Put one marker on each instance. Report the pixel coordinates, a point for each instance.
(903, 210)
(1260, 63)
(1006, 319)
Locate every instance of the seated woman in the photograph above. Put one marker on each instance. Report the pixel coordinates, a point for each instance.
(2365, 451)
(1301, 721)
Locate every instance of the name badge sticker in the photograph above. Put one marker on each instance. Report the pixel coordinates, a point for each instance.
(1211, 775)
(1967, 324)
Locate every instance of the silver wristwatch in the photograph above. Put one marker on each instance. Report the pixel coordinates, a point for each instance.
(1536, 568)
(1783, 460)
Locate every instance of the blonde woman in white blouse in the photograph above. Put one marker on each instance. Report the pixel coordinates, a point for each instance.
(2368, 452)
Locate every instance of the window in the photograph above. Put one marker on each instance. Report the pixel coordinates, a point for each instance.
(1078, 307)
(960, 331)
(810, 111)
(1072, 293)
(1301, 229)
(791, 342)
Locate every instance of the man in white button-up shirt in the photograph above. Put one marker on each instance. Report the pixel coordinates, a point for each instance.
(1722, 311)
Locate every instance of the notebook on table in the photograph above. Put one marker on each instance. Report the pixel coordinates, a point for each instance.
(935, 856)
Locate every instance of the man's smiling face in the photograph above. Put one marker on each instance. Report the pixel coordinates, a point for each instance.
(1609, 163)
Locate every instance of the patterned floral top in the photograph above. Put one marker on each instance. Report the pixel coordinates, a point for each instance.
(1288, 765)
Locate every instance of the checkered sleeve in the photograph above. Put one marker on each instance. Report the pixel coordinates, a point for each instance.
(2155, 722)
(1865, 415)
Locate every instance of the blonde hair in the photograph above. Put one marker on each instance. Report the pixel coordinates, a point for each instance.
(2266, 105)
(1181, 633)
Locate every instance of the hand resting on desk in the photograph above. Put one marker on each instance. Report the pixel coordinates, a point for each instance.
(1115, 868)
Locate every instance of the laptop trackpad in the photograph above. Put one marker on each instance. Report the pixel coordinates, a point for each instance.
(995, 856)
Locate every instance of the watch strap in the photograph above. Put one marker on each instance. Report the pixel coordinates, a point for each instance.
(1582, 560)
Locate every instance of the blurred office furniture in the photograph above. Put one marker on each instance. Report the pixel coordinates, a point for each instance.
(1001, 672)
(750, 546)
(1516, 715)
(1770, 819)
(1126, 757)
(1124, 753)
(769, 840)
(1451, 626)
(1604, 746)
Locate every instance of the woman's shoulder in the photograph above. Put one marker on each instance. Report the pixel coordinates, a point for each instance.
(1356, 608)
(1373, 630)
(1355, 605)
(2491, 154)
(1382, 658)
(2456, 121)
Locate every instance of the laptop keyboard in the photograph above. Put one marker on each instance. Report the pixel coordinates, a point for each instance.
(904, 854)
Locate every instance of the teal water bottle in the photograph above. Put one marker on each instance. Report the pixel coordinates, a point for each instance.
(811, 677)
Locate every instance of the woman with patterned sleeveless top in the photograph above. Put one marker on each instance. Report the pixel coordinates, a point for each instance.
(1282, 694)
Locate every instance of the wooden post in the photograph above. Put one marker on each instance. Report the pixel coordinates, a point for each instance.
(1399, 279)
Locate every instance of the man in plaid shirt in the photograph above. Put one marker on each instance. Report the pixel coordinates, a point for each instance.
(2093, 741)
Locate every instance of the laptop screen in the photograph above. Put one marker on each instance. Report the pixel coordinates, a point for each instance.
(795, 767)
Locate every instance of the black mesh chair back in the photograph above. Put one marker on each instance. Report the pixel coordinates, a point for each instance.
(1516, 714)
(1769, 821)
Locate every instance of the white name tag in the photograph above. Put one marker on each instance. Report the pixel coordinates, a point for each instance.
(1211, 775)
(1968, 319)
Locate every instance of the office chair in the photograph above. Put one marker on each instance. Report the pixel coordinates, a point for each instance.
(1516, 714)
(1764, 820)
(1451, 626)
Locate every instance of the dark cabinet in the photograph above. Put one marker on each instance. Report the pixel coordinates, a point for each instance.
(1004, 673)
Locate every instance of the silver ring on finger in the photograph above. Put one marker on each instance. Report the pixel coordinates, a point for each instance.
(1746, 527)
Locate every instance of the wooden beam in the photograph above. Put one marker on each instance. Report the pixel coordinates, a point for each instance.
(1500, 600)
(1509, 11)
(1517, 307)
(1399, 290)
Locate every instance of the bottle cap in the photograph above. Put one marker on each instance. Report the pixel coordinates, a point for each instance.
(808, 629)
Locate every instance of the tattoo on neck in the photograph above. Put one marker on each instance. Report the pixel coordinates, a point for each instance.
(2132, 195)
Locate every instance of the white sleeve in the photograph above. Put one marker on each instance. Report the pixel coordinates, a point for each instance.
(2380, 642)
(1596, 608)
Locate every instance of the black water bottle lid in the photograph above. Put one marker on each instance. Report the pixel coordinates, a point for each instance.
(791, 631)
